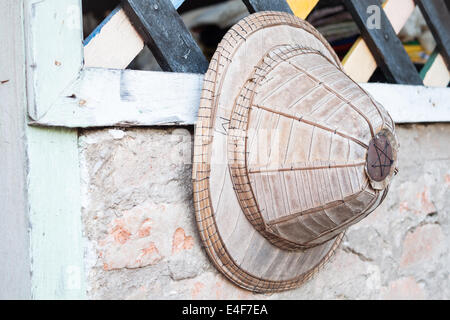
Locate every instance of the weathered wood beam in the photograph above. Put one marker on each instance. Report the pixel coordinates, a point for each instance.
(53, 35)
(412, 104)
(15, 266)
(106, 97)
(267, 5)
(114, 43)
(114, 35)
(437, 17)
(102, 97)
(384, 44)
(359, 62)
(159, 24)
(54, 56)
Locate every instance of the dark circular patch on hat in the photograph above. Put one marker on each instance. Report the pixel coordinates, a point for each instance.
(379, 158)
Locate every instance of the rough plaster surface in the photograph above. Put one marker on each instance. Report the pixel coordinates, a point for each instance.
(142, 241)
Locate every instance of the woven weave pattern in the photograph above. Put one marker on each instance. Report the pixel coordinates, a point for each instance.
(294, 133)
(308, 147)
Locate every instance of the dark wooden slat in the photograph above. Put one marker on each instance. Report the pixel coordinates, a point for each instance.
(437, 16)
(164, 32)
(267, 5)
(384, 44)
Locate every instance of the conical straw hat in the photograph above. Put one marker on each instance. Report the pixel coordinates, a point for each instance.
(289, 152)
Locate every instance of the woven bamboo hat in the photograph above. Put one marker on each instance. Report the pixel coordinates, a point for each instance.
(289, 152)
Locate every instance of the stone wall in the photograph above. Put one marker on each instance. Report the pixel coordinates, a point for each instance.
(142, 242)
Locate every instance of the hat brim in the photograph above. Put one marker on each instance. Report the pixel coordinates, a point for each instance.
(234, 246)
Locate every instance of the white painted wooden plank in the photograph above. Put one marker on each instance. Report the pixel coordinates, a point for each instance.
(105, 97)
(54, 51)
(410, 104)
(115, 42)
(53, 60)
(15, 280)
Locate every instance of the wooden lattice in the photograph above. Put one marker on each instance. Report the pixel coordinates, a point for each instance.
(379, 46)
